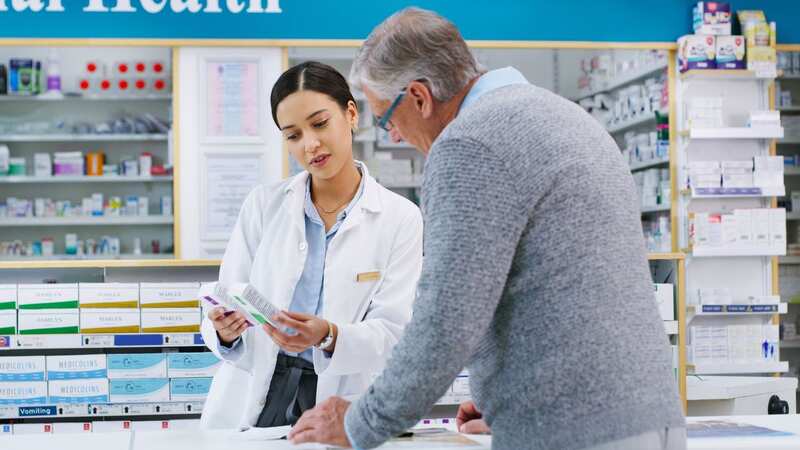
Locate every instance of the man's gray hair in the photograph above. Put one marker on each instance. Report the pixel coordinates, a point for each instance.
(414, 44)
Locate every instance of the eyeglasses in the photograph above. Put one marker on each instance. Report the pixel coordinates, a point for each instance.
(384, 121)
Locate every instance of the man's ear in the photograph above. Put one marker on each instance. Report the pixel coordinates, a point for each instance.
(422, 98)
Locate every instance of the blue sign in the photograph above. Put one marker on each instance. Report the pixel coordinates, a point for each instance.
(31, 411)
(520, 20)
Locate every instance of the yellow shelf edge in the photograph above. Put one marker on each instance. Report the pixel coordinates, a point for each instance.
(665, 256)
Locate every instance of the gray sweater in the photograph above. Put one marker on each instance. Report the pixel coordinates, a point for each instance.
(535, 277)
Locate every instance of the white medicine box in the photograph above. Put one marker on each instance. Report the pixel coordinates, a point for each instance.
(169, 295)
(109, 295)
(665, 300)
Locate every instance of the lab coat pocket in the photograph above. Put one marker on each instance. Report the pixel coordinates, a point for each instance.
(365, 286)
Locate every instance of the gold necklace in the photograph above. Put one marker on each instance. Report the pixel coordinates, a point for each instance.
(335, 210)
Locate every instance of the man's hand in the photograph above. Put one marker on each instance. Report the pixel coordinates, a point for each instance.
(228, 328)
(470, 421)
(311, 330)
(323, 424)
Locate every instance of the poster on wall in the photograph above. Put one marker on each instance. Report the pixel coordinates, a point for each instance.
(232, 101)
(226, 180)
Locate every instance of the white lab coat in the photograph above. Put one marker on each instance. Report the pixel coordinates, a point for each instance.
(382, 233)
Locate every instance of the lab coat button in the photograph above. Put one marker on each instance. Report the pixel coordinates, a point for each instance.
(262, 403)
(303, 246)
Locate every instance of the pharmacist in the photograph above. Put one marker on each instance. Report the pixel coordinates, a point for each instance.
(340, 254)
(535, 272)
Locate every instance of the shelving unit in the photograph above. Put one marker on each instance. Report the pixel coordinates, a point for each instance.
(744, 271)
(625, 80)
(102, 410)
(45, 124)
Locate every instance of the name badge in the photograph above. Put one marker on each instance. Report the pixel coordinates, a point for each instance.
(368, 276)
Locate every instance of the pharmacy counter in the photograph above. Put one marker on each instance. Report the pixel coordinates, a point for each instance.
(777, 432)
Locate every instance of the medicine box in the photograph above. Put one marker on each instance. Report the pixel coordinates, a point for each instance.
(8, 297)
(189, 389)
(32, 428)
(665, 300)
(744, 227)
(72, 427)
(777, 228)
(191, 365)
(109, 321)
(8, 321)
(23, 393)
(697, 52)
(143, 390)
(711, 18)
(169, 295)
(139, 365)
(48, 321)
(169, 320)
(71, 367)
(78, 391)
(22, 368)
(730, 52)
(109, 295)
(761, 227)
(48, 296)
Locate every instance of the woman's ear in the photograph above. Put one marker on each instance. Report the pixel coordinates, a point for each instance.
(352, 115)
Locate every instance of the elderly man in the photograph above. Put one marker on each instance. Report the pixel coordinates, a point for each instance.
(535, 275)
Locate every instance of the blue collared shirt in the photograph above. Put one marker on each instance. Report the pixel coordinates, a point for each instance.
(487, 82)
(308, 294)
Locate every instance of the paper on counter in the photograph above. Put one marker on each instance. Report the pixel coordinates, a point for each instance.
(263, 434)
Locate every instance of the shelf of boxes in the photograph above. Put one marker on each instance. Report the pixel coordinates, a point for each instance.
(24, 179)
(631, 123)
(91, 98)
(85, 221)
(730, 369)
(84, 137)
(635, 167)
(122, 257)
(737, 310)
(733, 133)
(750, 192)
(89, 410)
(630, 78)
(701, 252)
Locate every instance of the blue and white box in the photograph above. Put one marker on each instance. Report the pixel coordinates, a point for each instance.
(26, 393)
(146, 390)
(78, 391)
(22, 368)
(189, 389)
(142, 365)
(192, 365)
(73, 367)
(697, 52)
(730, 52)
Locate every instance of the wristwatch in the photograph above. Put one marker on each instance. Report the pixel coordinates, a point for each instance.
(325, 343)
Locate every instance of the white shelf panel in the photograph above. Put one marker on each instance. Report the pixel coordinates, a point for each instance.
(59, 221)
(727, 387)
(127, 256)
(700, 193)
(90, 410)
(627, 79)
(671, 327)
(721, 75)
(632, 123)
(635, 167)
(83, 137)
(79, 341)
(735, 133)
(23, 179)
(737, 310)
(78, 98)
(699, 252)
(723, 369)
(655, 209)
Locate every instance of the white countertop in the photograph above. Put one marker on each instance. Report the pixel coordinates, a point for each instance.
(788, 423)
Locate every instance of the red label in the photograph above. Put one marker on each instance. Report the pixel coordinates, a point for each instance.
(140, 84)
(164, 425)
(140, 67)
(84, 85)
(158, 68)
(126, 425)
(160, 84)
(91, 67)
(738, 41)
(105, 85)
(123, 84)
(710, 40)
(123, 68)
(87, 427)
(48, 428)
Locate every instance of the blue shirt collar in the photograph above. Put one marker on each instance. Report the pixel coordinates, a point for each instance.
(490, 81)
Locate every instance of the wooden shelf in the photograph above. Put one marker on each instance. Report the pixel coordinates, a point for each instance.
(733, 133)
(665, 256)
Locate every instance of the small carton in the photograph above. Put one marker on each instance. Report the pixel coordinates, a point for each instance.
(143, 390)
(49, 321)
(23, 393)
(78, 391)
(189, 389)
(72, 367)
(169, 295)
(139, 365)
(48, 296)
(109, 321)
(168, 320)
(697, 52)
(192, 365)
(665, 300)
(109, 295)
(22, 368)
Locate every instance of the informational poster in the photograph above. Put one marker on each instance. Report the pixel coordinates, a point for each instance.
(232, 99)
(227, 179)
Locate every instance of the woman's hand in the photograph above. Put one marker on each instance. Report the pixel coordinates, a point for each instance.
(310, 331)
(470, 421)
(228, 328)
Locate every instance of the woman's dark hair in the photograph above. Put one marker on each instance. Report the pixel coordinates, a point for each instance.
(311, 76)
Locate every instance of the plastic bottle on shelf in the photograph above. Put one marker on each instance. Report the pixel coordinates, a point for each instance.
(53, 75)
